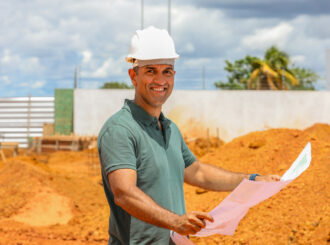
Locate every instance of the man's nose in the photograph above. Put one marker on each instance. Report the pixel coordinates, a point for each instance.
(160, 79)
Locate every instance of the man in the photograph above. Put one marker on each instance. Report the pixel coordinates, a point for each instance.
(144, 158)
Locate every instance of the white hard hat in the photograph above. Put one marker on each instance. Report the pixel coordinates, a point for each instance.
(151, 44)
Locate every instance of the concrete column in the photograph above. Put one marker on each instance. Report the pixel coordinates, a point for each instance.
(327, 86)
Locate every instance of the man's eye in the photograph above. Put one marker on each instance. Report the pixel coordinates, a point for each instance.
(150, 71)
(168, 72)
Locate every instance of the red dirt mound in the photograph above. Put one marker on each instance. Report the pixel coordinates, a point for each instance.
(299, 214)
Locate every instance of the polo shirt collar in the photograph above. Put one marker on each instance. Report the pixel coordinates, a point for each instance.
(142, 116)
(164, 121)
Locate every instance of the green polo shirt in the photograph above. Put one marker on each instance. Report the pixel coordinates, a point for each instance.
(132, 139)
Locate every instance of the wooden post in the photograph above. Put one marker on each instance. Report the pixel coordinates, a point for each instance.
(3, 157)
(15, 153)
(208, 139)
(39, 145)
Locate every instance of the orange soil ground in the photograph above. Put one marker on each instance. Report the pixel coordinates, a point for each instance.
(58, 198)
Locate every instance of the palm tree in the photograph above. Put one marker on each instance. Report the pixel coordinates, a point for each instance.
(272, 72)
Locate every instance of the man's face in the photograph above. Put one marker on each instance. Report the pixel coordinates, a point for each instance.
(153, 83)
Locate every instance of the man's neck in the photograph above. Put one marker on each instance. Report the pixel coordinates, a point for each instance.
(152, 111)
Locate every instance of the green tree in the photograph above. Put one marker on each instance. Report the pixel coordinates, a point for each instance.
(116, 85)
(306, 77)
(273, 72)
(240, 72)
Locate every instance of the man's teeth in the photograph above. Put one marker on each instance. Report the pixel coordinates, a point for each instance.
(158, 89)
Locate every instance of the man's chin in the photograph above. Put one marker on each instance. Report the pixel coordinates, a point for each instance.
(158, 102)
(155, 101)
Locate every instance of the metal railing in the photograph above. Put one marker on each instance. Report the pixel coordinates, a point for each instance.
(23, 117)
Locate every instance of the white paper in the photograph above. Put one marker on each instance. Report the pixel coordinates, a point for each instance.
(300, 164)
(247, 194)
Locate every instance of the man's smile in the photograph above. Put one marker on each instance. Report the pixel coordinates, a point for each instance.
(158, 89)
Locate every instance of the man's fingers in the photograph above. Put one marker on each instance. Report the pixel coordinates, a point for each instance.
(192, 222)
(268, 178)
(195, 227)
(197, 221)
(275, 177)
(203, 215)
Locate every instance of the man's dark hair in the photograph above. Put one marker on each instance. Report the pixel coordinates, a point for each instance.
(136, 69)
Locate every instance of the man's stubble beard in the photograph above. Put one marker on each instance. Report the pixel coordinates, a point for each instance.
(161, 101)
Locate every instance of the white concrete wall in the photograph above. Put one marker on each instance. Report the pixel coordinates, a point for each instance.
(327, 63)
(93, 107)
(234, 113)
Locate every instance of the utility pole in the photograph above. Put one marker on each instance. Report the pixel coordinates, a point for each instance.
(142, 14)
(169, 17)
(203, 77)
(76, 77)
(283, 79)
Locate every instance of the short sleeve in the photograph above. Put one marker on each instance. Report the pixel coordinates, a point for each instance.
(117, 149)
(188, 156)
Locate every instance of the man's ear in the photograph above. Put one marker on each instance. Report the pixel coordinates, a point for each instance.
(132, 75)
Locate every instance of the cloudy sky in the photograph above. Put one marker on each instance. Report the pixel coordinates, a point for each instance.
(42, 42)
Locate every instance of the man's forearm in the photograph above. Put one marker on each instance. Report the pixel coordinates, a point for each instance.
(138, 204)
(141, 206)
(220, 179)
(214, 178)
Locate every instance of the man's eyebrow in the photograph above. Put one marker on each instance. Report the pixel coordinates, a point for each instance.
(150, 67)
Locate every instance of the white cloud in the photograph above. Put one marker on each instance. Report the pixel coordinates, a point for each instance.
(37, 23)
(298, 59)
(110, 67)
(91, 84)
(34, 85)
(5, 80)
(38, 84)
(12, 62)
(197, 63)
(30, 65)
(266, 37)
(189, 48)
(8, 58)
(104, 70)
(87, 56)
(200, 31)
(46, 40)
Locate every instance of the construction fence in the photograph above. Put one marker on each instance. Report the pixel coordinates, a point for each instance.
(22, 118)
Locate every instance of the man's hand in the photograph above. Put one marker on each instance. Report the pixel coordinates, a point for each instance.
(268, 178)
(191, 223)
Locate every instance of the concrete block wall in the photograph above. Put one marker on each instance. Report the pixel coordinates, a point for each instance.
(327, 70)
(233, 113)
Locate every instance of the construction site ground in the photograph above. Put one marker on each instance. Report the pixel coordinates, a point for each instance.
(57, 198)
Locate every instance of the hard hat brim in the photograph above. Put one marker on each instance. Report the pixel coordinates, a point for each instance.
(131, 59)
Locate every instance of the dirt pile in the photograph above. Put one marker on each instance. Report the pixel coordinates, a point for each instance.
(299, 214)
(52, 199)
(202, 146)
(18, 182)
